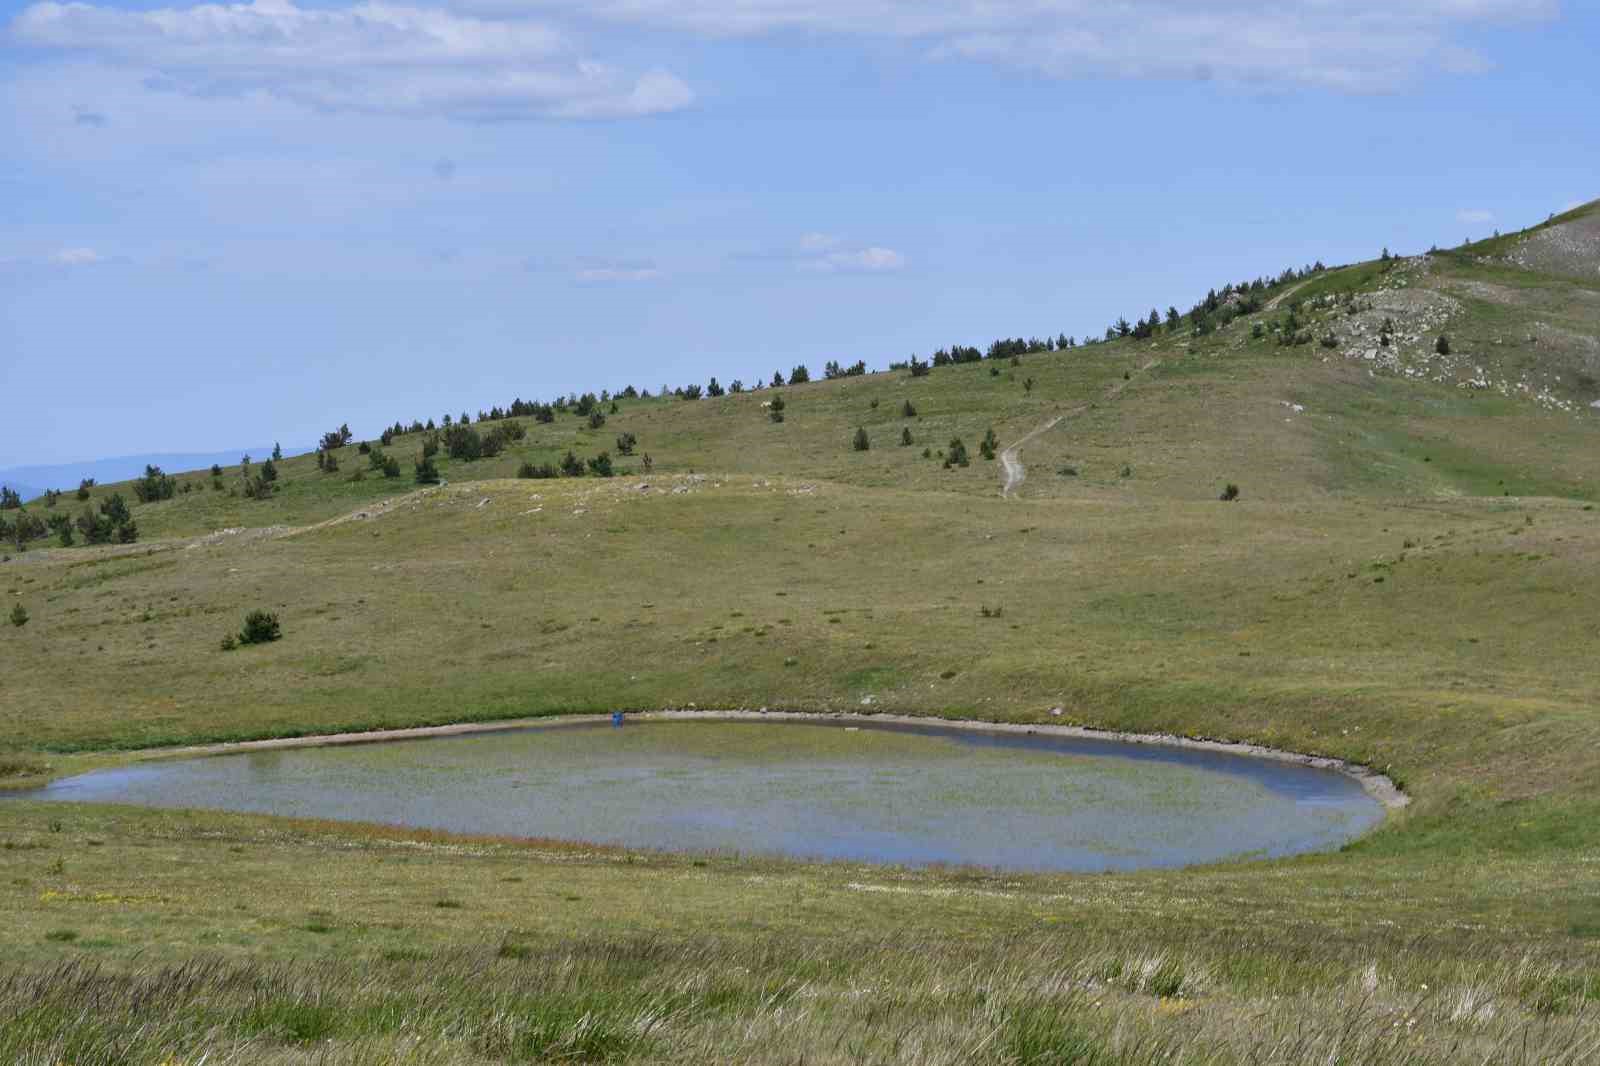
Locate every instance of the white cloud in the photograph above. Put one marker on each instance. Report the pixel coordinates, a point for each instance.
(72, 257)
(827, 253)
(604, 272)
(1352, 45)
(371, 57)
(869, 259)
(1475, 217)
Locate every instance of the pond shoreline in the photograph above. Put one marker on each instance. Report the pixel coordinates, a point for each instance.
(1376, 785)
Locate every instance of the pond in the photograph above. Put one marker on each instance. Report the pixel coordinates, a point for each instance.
(876, 792)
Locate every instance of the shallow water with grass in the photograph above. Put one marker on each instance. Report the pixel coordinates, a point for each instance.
(876, 792)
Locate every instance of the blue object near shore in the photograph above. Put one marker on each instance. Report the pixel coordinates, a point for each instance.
(616, 718)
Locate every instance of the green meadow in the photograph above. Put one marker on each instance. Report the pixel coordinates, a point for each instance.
(1406, 580)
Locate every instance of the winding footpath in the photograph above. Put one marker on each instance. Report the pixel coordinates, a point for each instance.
(1011, 460)
(1011, 465)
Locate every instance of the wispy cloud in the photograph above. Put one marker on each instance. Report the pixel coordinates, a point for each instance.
(872, 260)
(373, 57)
(1474, 217)
(1357, 45)
(611, 272)
(76, 257)
(829, 253)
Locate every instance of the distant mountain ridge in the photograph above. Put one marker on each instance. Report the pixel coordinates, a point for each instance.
(31, 481)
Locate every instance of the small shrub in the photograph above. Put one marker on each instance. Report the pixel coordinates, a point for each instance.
(927, 453)
(908, 410)
(994, 371)
(84, 486)
(905, 437)
(1442, 345)
(1330, 341)
(1027, 385)
(600, 465)
(19, 616)
(260, 627)
(155, 485)
(1230, 493)
(571, 465)
(596, 419)
(861, 442)
(391, 467)
(1068, 471)
(228, 642)
(544, 471)
(463, 442)
(426, 472)
(956, 454)
(987, 446)
(626, 443)
(62, 936)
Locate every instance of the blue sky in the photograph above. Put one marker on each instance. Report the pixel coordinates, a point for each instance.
(229, 223)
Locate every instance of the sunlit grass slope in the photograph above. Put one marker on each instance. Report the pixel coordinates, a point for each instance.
(1406, 580)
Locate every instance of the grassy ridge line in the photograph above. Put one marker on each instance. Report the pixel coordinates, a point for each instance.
(732, 434)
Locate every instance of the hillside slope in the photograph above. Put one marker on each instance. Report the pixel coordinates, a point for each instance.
(1403, 577)
(1366, 405)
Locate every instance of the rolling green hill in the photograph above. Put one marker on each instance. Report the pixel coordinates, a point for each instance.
(1405, 580)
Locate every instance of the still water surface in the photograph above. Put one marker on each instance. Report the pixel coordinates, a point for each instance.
(887, 793)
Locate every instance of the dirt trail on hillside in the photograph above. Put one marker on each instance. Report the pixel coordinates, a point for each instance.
(1011, 460)
(1011, 465)
(1272, 304)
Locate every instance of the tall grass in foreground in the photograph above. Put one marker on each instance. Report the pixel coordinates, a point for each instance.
(652, 1000)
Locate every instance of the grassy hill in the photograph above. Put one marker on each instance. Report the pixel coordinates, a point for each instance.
(1405, 581)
